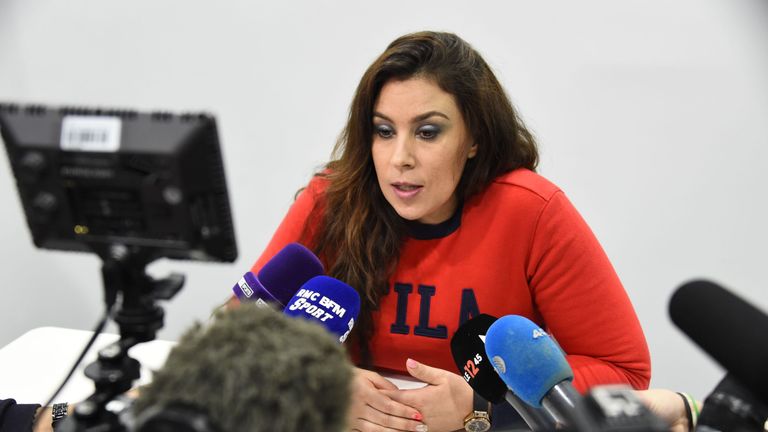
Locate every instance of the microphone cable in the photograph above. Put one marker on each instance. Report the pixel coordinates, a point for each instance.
(96, 332)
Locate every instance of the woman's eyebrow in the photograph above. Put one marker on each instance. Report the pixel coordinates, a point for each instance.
(418, 118)
(429, 114)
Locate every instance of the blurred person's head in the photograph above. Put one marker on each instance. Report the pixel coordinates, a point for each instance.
(253, 369)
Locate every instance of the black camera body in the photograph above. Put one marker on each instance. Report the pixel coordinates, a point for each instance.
(616, 408)
(92, 177)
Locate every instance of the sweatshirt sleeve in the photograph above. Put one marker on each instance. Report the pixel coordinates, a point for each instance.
(16, 417)
(583, 303)
(292, 226)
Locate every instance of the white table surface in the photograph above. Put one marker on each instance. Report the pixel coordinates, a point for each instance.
(34, 364)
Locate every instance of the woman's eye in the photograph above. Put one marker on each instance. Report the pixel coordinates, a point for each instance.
(384, 131)
(428, 132)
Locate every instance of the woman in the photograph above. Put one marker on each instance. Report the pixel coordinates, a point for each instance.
(431, 209)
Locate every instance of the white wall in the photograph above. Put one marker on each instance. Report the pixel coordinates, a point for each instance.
(651, 115)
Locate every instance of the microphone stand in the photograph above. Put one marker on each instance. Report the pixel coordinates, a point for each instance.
(138, 317)
(566, 406)
(535, 418)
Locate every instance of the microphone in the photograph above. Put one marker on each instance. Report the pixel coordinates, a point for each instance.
(328, 302)
(280, 277)
(617, 408)
(726, 327)
(532, 364)
(468, 350)
(732, 408)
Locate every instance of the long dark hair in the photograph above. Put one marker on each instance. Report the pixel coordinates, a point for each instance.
(353, 228)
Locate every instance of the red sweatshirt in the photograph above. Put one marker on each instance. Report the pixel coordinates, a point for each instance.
(519, 247)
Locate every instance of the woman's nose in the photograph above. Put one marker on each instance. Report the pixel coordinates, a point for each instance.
(403, 156)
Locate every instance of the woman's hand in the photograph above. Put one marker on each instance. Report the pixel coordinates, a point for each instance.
(373, 410)
(444, 402)
(668, 406)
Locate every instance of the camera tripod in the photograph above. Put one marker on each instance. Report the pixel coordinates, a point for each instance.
(132, 294)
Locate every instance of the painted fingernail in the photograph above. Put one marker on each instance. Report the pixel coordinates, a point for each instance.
(411, 363)
(418, 417)
(422, 428)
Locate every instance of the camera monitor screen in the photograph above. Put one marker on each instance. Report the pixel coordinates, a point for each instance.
(92, 178)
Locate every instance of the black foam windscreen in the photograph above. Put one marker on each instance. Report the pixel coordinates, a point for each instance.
(731, 407)
(175, 417)
(468, 350)
(728, 328)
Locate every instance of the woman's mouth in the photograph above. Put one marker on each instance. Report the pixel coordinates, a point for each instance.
(406, 190)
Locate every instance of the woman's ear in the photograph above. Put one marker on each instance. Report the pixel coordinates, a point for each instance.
(472, 151)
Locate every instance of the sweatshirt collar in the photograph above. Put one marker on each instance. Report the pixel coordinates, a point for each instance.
(422, 231)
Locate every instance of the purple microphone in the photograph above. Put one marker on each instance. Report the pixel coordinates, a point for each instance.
(280, 277)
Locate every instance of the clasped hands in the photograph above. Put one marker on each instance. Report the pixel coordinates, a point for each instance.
(379, 406)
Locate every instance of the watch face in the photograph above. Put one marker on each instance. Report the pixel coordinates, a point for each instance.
(477, 425)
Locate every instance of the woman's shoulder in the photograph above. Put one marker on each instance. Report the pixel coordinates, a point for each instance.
(524, 181)
(319, 182)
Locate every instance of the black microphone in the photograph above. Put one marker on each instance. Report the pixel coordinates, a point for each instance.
(468, 350)
(732, 408)
(727, 328)
(617, 408)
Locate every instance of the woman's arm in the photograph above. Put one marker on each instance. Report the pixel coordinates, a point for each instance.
(290, 230)
(18, 417)
(293, 224)
(675, 408)
(376, 407)
(583, 303)
(444, 402)
(27, 417)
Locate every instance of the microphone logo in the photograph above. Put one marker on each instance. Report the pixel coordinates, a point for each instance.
(499, 365)
(471, 369)
(350, 324)
(247, 290)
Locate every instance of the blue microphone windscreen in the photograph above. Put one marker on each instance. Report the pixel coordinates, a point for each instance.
(528, 360)
(327, 301)
(288, 270)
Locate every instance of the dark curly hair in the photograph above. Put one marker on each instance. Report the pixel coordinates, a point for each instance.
(255, 369)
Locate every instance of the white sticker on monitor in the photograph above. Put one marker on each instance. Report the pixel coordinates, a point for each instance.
(89, 133)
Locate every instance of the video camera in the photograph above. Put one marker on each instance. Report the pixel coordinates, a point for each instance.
(130, 187)
(89, 178)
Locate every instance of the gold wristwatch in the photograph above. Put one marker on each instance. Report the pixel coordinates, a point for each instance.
(478, 421)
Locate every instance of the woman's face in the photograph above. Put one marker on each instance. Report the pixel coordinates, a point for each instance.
(420, 147)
